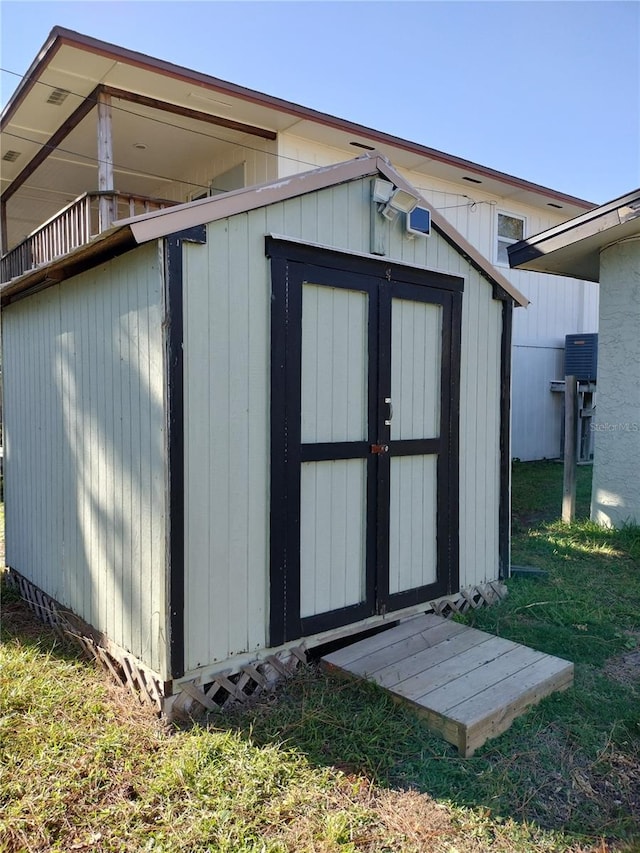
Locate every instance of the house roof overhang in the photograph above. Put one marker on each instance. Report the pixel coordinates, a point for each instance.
(573, 248)
(81, 65)
(128, 233)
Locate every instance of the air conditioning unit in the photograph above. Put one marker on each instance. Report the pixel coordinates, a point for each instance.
(581, 357)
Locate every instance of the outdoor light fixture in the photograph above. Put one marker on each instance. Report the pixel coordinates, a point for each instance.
(382, 191)
(392, 200)
(401, 201)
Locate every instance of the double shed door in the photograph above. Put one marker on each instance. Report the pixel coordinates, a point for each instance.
(364, 425)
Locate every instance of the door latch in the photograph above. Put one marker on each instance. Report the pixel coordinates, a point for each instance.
(379, 448)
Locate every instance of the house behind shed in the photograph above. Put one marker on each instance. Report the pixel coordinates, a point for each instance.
(255, 423)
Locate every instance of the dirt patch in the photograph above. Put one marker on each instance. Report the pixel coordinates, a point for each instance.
(625, 668)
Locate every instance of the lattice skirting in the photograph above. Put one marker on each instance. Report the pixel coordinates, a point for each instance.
(216, 691)
(219, 692)
(123, 667)
(223, 690)
(472, 598)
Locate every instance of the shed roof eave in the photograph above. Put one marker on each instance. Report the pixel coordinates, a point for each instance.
(109, 244)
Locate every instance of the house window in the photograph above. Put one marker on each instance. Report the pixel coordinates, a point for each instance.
(510, 230)
(233, 179)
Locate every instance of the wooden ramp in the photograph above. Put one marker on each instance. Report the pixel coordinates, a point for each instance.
(470, 685)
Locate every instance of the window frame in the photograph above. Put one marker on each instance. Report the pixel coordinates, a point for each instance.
(507, 241)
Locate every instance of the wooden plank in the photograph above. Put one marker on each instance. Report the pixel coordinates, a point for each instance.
(186, 112)
(414, 664)
(344, 657)
(495, 723)
(569, 474)
(467, 685)
(497, 662)
(438, 681)
(400, 651)
(238, 414)
(542, 671)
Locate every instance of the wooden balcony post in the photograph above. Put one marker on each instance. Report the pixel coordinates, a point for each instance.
(4, 244)
(105, 162)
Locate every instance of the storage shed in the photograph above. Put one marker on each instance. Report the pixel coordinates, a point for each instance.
(251, 424)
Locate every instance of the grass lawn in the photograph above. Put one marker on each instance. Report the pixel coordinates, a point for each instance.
(326, 765)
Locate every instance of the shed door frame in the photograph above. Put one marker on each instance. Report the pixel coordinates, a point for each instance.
(291, 264)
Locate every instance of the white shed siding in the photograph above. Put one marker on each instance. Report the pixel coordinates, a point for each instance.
(226, 363)
(479, 404)
(227, 376)
(85, 480)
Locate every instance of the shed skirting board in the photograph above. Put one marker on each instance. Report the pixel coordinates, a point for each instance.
(231, 682)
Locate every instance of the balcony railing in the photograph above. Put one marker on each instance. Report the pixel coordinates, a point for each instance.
(73, 226)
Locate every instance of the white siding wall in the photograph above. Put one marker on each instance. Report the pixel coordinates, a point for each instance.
(537, 413)
(227, 370)
(559, 306)
(84, 452)
(260, 166)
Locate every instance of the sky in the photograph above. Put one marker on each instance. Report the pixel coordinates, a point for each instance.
(546, 90)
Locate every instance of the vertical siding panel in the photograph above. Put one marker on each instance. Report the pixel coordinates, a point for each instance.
(104, 582)
(332, 527)
(258, 432)
(469, 415)
(239, 413)
(197, 365)
(220, 471)
(482, 455)
(84, 371)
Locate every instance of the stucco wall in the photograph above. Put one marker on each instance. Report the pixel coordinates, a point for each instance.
(616, 475)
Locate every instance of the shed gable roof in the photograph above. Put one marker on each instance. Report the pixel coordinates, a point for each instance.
(128, 233)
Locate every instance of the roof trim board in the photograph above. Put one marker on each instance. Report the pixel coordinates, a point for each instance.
(573, 248)
(127, 233)
(60, 36)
